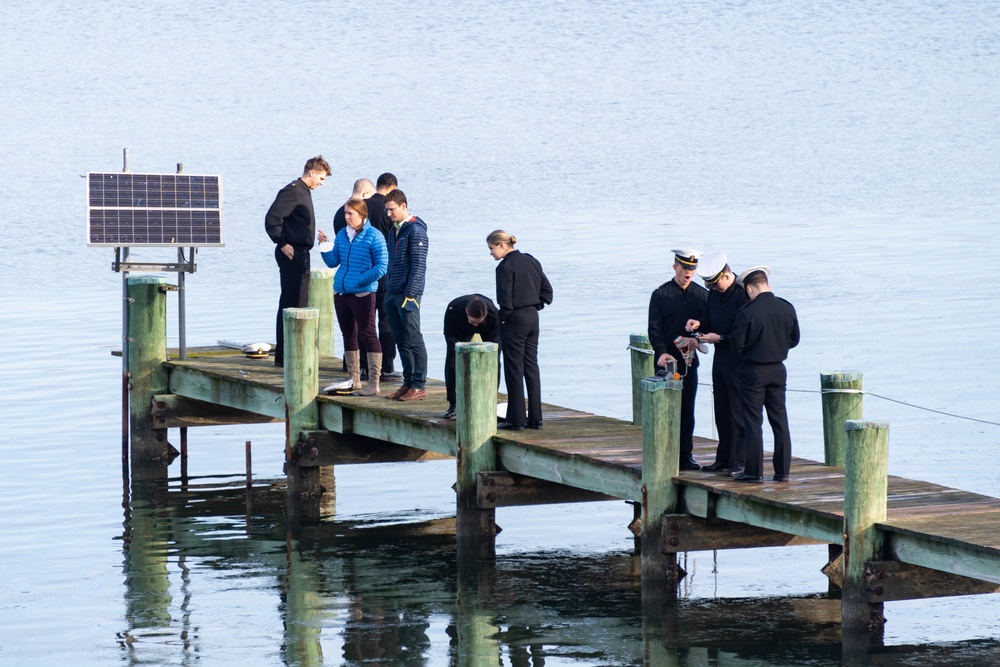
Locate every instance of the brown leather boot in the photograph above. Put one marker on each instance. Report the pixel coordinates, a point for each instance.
(399, 392)
(374, 371)
(353, 360)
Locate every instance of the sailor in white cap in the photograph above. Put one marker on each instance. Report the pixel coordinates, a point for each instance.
(670, 307)
(725, 298)
(765, 329)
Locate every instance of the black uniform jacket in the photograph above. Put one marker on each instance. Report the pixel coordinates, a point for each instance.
(521, 282)
(765, 329)
(722, 310)
(291, 218)
(456, 322)
(670, 307)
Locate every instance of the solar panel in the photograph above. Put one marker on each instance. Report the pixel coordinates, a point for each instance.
(125, 209)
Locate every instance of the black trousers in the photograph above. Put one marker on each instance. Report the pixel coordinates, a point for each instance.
(688, 395)
(384, 338)
(449, 370)
(519, 343)
(294, 275)
(763, 387)
(728, 407)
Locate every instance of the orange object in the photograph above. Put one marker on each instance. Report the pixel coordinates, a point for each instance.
(677, 376)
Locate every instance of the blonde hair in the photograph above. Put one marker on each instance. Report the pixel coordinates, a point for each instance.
(500, 236)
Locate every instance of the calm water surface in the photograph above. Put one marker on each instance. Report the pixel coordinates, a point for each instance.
(852, 147)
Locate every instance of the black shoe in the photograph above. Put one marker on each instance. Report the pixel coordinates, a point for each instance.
(364, 373)
(689, 464)
(507, 426)
(535, 425)
(715, 467)
(278, 363)
(780, 478)
(748, 478)
(734, 471)
(450, 414)
(391, 376)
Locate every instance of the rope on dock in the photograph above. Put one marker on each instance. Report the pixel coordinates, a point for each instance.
(640, 349)
(884, 398)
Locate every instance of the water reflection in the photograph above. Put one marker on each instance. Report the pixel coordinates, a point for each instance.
(361, 592)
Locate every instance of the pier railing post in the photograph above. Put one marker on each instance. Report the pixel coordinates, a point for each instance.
(321, 298)
(147, 350)
(476, 411)
(642, 366)
(865, 491)
(661, 431)
(301, 411)
(841, 400)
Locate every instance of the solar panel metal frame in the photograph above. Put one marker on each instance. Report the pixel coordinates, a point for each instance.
(155, 210)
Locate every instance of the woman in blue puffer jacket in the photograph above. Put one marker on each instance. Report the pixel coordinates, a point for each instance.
(360, 253)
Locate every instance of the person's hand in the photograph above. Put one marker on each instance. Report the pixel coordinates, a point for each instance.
(710, 338)
(410, 304)
(288, 251)
(321, 236)
(664, 358)
(692, 325)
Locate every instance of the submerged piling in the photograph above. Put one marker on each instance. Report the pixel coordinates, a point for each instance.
(865, 496)
(476, 411)
(147, 350)
(301, 410)
(661, 430)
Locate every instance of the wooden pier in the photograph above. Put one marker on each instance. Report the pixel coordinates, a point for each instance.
(890, 538)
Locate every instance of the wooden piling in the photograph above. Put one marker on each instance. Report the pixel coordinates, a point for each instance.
(476, 409)
(643, 365)
(841, 401)
(147, 350)
(301, 411)
(321, 298)
(865, 496)
(661, 430)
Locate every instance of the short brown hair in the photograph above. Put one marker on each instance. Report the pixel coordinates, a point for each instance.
(475, 309)
(317, 164)
(358, 205)
(397, 197)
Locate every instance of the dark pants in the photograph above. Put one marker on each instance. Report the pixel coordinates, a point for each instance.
(449, 369)
(356, 316)
(688, 394)
(384, 336)
(728, 407)
(519, 342)
(763, 386)
(410, 341)
(294, 274)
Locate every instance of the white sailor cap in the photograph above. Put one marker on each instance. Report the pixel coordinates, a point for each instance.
(743, 276)
(687, 258)
(710, 267)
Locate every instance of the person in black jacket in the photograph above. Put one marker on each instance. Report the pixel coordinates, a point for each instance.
(522, 290)
(465, 317)
(291, 224)
(725, 298)
(671, 305)
(765, 329)
(378, 219)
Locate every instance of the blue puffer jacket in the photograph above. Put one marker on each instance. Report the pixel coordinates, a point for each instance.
(362, 261)
(407, 258)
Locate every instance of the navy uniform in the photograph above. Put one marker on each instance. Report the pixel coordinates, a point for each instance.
(291, 220)
(457, 329)
(670, 307)
(522, 290)
(765, 329)
(728, 407)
